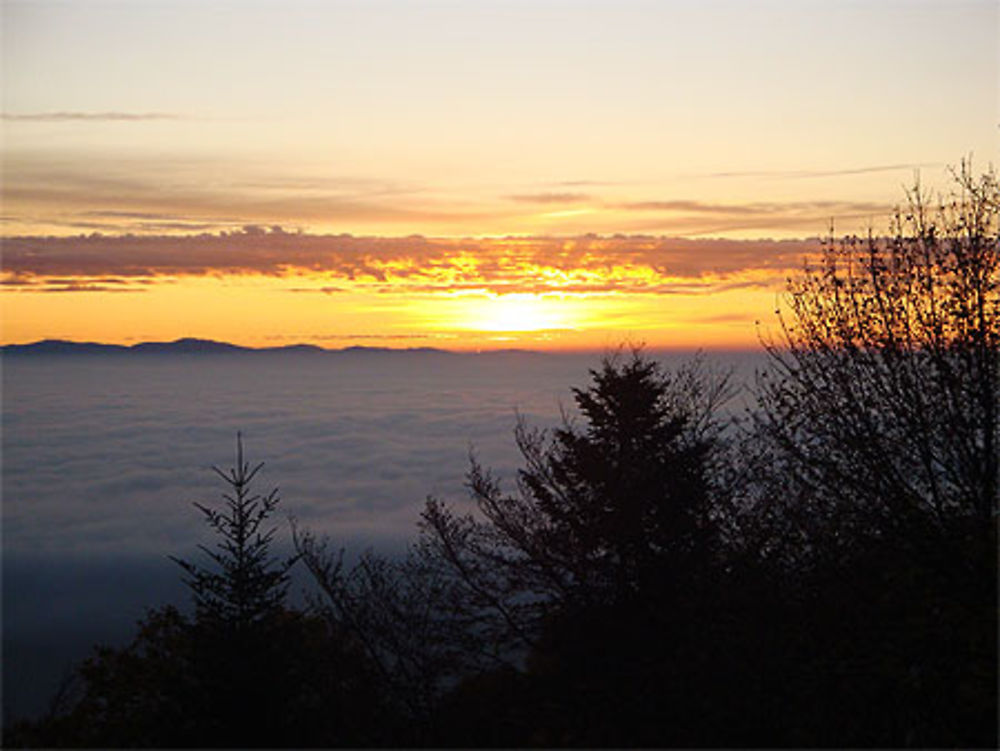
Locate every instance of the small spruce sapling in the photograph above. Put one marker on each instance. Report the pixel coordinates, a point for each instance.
(247, 583)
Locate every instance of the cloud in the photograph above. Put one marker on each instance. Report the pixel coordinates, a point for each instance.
(548, 198)
(76, 287)
(119, 475)
(33, 283)
(588, 264)
(92, 472)
(112, 192)
(584, 183)
(686, 206)
(115, 193)
(785, 209)
(596, 287)
(56, 117)
(738, 318)
(424, 336)
(796, 174)
(108, 457)
(698, 218)
(327, 290)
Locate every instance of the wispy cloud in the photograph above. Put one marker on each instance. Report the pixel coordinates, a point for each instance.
(761, 209)
(325, 290)
(120, 195)
(698, 218)
(116, 194)
(55, 117)
(794, 174)
(548, 198)
(583, 183)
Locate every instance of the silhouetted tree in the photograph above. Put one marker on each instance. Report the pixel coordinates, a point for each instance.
(246, 670)
(879, 431)
(612, 519)
(247, 583)
(602, 512)
(888, 372)
(600, 567)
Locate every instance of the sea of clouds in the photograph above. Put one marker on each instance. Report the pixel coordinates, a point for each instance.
(103, 456)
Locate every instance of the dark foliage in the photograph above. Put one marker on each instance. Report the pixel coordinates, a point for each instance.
(403, 614)
(610, 517)
(295, 683)
(590, 577)
(244, 671)
(604, 514)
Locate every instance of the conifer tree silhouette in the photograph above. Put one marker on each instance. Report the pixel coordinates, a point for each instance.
(248, 583)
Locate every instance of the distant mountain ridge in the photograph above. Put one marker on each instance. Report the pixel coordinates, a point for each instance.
(191, 346)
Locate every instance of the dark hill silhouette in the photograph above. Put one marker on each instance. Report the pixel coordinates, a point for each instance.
(188, 345)
(196, 346)
(191, 346)
(63, 347)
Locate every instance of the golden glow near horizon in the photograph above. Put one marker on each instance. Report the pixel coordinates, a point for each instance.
(259, 310)
(491, 173)
(517, 312)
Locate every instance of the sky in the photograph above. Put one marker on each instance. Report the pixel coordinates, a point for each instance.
(467, 175)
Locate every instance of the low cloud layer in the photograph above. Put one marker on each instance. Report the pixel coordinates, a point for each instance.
(578, 265)
(55, 117)
(103, 457)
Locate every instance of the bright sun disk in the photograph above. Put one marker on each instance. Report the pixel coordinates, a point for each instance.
(515, 312)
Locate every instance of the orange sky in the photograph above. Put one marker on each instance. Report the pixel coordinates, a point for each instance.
(462, 175)
(266, 287)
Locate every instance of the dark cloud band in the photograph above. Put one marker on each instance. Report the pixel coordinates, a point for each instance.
(575, 265)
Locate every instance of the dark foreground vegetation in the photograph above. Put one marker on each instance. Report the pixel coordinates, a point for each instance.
(822, 572)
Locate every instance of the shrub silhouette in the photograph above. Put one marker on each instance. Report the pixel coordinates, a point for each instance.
(402, 613)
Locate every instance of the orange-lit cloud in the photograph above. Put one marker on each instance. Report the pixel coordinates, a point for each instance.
(589, 264)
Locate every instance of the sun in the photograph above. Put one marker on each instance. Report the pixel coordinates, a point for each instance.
(515, 312)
